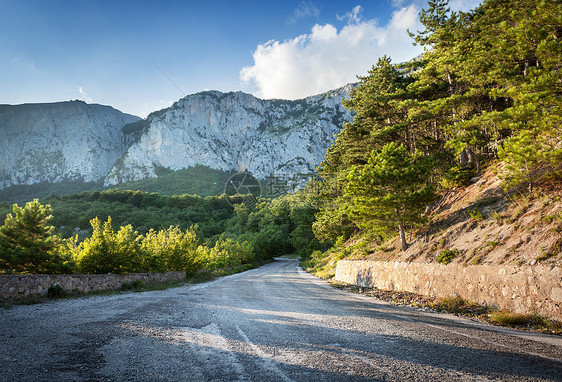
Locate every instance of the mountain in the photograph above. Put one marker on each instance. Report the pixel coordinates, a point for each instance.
(75, 141)
(53, 142)
(233, 131)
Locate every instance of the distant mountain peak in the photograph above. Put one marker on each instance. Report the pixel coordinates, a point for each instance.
(228, 131)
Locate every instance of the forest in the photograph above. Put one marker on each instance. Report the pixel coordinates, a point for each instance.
(487, 89)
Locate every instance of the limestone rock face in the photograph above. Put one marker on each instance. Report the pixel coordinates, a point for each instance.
(59, 141)
(234, 131)
(224, 131)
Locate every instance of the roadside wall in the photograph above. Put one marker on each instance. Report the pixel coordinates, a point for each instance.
(522, 289)
(21, 286)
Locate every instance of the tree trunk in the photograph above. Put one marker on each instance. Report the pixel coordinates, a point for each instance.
(403, 242)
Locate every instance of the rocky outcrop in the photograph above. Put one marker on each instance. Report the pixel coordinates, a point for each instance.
(224, 131)
(59, 141)
(234, 131)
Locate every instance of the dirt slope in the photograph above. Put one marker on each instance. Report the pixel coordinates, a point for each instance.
(482, 224)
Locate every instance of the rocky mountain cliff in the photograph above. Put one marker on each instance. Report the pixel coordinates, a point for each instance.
(233, 131)
(59, 141)
(224, 131)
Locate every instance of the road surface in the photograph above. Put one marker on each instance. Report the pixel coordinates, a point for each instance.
(275, 323)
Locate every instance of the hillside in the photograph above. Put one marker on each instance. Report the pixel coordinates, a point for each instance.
(479, 223)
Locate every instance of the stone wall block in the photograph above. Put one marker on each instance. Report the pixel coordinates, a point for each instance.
(20, 286)
(522, 289)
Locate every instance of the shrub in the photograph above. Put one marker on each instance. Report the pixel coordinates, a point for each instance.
(126, 286)
(109, 252)
(475, 215)
(171, 250)
(514, 319)
(56, 291)
(457, 304)
(226, 253)
(446, 256)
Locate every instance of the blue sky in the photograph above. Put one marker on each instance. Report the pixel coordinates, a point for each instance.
(141, 56)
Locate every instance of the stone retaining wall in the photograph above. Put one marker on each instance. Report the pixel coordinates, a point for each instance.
(21, 286)
(522, 289)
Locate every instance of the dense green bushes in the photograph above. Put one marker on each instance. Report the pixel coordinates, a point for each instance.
(172, 249)
(231, 236)
(144, 211)
(108, 251)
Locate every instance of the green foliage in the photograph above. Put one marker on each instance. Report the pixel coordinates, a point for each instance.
(446, 256)
(390, 191)
(197, 180)
(23, 193)
(530, 156)
(226, 237)
(475, 215)
(108, 251)
(170, 250)
(56, 291)
(27, 244)
(226, 253)
(458, 176)
(200, 180)
(279, 227)
(487, 86)
(144, 211)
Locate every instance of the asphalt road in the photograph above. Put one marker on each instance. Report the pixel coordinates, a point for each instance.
(275, 323)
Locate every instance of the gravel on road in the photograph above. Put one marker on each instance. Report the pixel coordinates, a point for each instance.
(274, 323)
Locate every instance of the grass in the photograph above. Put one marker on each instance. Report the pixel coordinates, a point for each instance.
(553, 251)
(493, 244)
(506, 318)
(458, 305)
(497, 217)
(476, 260)
(528, 321)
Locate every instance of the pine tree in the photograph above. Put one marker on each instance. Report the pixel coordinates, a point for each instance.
(378, 120)
(390, 191)
(26, 241)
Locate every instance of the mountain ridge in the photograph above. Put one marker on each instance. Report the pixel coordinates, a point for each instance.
(232, 131)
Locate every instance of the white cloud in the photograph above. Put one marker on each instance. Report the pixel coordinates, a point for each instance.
(353, 17)
(305, 9)
(327, 58)
(84, 96)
